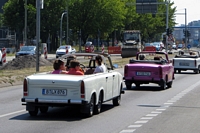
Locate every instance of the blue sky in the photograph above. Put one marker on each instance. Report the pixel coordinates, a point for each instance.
(192, 10)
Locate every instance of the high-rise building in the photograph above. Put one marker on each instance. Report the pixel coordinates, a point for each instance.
(2, 2)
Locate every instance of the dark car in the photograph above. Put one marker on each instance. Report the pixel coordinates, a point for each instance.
(27, 50)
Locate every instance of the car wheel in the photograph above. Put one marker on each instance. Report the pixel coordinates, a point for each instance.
(91, 107)
(179, 71)
(128, 85)
(163, 85)
(34, 113)
(169, 84)
(44, 109)
(137, 85)
(97, 108)
(117, 100)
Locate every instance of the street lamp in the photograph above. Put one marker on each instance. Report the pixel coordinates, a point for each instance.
(61, 27)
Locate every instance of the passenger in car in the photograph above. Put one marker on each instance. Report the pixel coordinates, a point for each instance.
(75, 68)
(59, 67)
(100, 68)
(69, 58)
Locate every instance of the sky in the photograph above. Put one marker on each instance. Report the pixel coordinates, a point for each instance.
(192, 10)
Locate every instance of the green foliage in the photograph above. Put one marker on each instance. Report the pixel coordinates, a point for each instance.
(90, 16)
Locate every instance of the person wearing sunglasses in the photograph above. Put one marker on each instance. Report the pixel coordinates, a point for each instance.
(75, 68)
(59, 67)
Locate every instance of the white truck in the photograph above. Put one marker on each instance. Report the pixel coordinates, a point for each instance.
(44, 90)
(187, 60)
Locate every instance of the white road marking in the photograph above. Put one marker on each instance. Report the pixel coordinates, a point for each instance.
(128, 131)
(141, 122)
(133, 126)
(161, 109)
(12, 113)
(146, 118)
(168, 103)
(155, 112)
(151, 114)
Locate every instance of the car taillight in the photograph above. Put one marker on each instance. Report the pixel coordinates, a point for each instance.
(25, 88)
(160, 72)
(82, 90)
(126, 71)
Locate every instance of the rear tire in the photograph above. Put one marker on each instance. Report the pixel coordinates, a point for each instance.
(97, 108)
(117, 100)
(91, 107)
(179, 71)
(44, 109)
(34, 113)
(163, 85)
(169, 84)
(128, 85)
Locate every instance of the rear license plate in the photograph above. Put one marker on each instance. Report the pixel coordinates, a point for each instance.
(143, 73)
(184, 64)
(56, 92)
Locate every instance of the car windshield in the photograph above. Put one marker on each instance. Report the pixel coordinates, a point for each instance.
(152, 56)
(156, 44)
(27, 48)
(88, 44)
(64, 47)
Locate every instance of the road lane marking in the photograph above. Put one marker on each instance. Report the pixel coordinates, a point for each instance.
(128, 131)
(12, 113)
(146, 118)
(141, 122)
(133, 126)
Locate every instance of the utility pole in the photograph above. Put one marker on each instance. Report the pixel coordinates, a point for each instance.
(25, 24)
(167, 21)
(185, 29)
(67, 37)
(61, 26)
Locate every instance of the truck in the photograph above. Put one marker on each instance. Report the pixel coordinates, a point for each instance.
(131, 43)
(149, 67)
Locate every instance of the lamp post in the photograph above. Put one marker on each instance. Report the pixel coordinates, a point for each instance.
(61, 27)
(185, 28)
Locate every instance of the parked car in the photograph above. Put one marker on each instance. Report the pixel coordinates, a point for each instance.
(27, 50)
(62, 50)
(89, 91)
(89, 47)
(180, 46)
(157, 45)
(149, 67)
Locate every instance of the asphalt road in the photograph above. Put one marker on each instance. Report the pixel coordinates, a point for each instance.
(144, 110)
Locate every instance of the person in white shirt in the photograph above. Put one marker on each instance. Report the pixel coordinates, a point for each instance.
(100, 68)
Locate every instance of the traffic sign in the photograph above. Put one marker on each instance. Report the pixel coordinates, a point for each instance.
(188, 46)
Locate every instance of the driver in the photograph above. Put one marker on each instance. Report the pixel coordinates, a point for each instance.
(75, 68)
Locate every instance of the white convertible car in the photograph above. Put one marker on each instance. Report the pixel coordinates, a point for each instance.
(187, 60)
(89, 91)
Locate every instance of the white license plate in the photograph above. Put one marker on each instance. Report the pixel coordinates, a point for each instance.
(57, 92)
(184, 64)
(143, 73)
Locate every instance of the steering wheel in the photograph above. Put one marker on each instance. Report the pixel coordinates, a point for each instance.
(82, 67)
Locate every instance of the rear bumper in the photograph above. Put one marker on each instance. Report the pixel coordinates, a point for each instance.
(48, 101)
(143, 80)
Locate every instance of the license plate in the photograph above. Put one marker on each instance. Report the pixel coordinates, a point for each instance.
(184, 64)
(143, 73)
(57, 92)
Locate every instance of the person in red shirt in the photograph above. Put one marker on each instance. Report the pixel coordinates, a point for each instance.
(75, 68)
